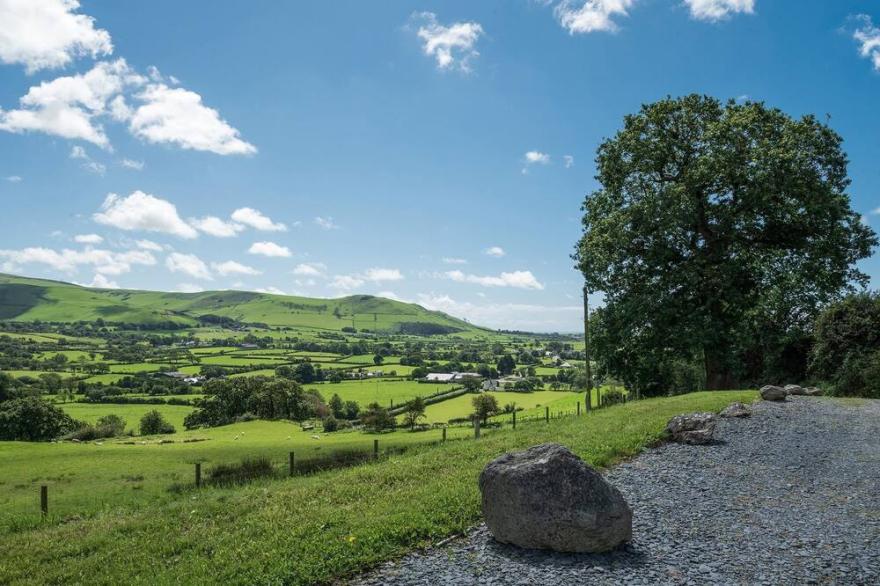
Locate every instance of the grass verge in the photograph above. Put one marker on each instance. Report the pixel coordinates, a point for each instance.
(318, 528)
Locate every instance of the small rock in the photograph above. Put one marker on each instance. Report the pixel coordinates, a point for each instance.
(548, 498)
(795, 390)
(696, 428)
(773, 393)
(736, 410)
(812, 391)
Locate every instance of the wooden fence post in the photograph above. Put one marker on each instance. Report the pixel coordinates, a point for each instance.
(476, 428)
(44, 500)
(589, 400)
(375, 448)
(579, 408)
(444, 434)
(547, 414)
(514, 418)
(198, 474)
(290, 463)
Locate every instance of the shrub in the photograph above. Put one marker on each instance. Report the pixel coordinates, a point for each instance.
(153, 423)
(613, 397)
(107, 426)
(331, 424)
(33, 419)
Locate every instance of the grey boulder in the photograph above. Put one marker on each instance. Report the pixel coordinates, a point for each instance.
(695, 428)
(812, 391)
(736, 410)
(773, 393)
(548, 498)
(795, 390)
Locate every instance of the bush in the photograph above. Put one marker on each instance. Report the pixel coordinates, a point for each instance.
(331, 424)
(153, 423)
(613, 397)
(33, 419)
(107, 426)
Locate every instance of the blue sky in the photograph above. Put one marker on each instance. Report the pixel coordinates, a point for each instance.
(437, 152)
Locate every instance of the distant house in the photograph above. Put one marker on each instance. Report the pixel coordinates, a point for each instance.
(440, 377)
(249, 346)
(194, 380)
(491, 384)
(173, 374)
(565, 365)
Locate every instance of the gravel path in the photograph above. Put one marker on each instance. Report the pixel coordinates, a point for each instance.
(790, 495)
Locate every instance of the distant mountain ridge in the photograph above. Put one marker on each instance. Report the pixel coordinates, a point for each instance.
(30, 299)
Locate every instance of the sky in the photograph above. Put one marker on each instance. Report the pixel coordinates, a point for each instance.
(432, 152)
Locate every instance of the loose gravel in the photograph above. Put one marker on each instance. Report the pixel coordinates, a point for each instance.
(790, 495)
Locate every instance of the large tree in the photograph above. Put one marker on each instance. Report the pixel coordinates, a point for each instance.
(714, 224)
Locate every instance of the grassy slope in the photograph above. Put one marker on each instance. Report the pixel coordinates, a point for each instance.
(25, 299)
(317, 528)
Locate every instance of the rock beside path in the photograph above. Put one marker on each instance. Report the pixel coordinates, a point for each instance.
(795, 390)
(736, 410)
(548, 498)
(694, 429)
(773, 393)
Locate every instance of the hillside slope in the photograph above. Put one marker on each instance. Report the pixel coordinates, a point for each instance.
(26, 299)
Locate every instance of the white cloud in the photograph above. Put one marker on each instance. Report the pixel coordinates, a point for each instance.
(189, 288)
(587, 16)
(77, 152)
(43, 34)
(148, 245)
(378, 275)
(309, 269)
(14, 179)
(346, 282)
(715, 10)
(255, 219)
(142, 211)
(216, 227)
(451, 46)
(67, 260)
(188, 264)
(230, 267)
(99, 281)
(177, 116)
(495, 251)
(132, 164)
(67, 106)
(516, 316)
(868, 37)
(326, 223)
(534, 158)
(517, 279)
(569, 161)
(269, 249)
(391, 295)
(270, 291)
(88, 239)
(454, 261)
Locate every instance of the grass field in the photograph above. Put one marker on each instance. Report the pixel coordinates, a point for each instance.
(463, 406)
(380, 390)
(90, 412)
(303, 530)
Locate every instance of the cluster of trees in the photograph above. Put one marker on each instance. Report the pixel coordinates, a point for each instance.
(718, 235)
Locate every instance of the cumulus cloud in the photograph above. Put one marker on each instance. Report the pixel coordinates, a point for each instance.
(868, 37)
(587, 16)
(346, 282)
(67, 260)
(69, 106)
(148, 245)
(378, 275)
(454, 261)
(270, 290)
(178, 116)
(230, 267)
(99, 281)
(14, 179)
(453, 46)
(188, 264)
(77, 152)
(326, 223)
(216, 227)
(495, 251)
(132, 164)
(257, 220)
(88, 239)
(189, 288)
(516, 279)
(715, 10)
(569, 161)
(514, 316)
(309, 269)
(142, 211)
(534, 158)
(269, 249)
(47, 34)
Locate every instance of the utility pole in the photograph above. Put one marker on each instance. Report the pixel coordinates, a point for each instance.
(587, 346)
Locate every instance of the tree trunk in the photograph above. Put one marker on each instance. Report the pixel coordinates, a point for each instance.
(718, 374)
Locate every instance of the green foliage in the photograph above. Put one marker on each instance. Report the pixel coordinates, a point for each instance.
(485, 405)
(718, 233)
(33, 419)
(377, 418)
(153, 423)
(414, 411)
(846, 354)
(506, 365)
(247, 470)
(330, 424)
(264, 398)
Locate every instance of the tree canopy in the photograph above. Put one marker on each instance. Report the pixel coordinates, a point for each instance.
(718, 233)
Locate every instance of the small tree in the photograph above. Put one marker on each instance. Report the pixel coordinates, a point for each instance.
(336, 406)
(376, 418)
(471, 383)
(33, 419)
(112, 425)
(506, 364)
(351, 410)
(153, 423)
(378, 359)
(485, 405)
(415, 410)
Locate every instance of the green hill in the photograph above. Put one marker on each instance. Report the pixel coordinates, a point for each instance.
(26, 299)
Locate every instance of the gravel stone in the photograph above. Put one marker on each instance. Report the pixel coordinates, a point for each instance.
(786, 496)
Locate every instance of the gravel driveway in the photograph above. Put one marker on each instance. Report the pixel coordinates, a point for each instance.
(788, 496)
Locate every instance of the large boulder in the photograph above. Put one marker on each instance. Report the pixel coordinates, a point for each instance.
(812, 391)
(695, 428)
(548, 498)
(795, 390)
(736, 410)
(773, 393)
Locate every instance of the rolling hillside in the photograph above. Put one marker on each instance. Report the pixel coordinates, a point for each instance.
(26, 299)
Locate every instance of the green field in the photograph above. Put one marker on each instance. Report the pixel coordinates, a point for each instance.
(380, 390)
(302, 530)
(131, 413)
(463, 406)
